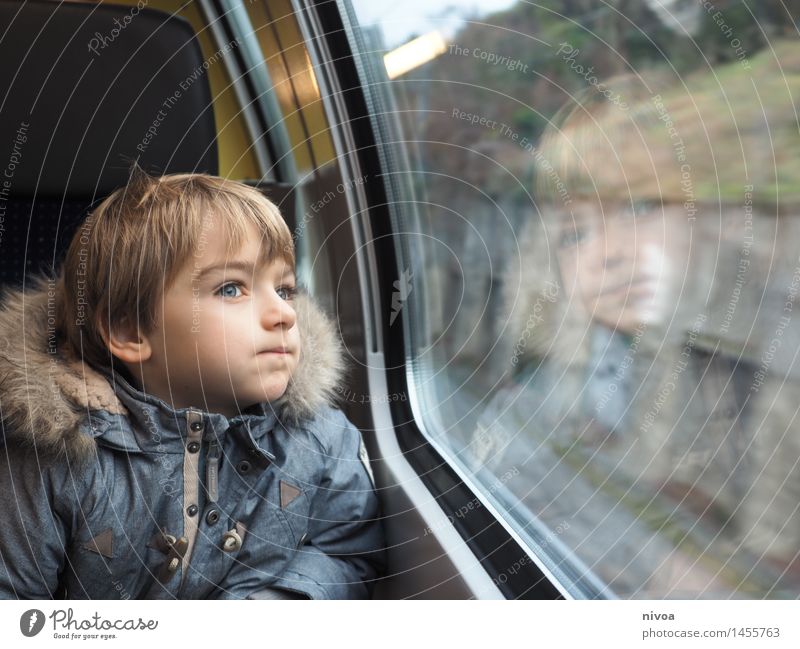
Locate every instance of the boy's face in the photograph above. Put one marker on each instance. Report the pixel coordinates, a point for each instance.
(620, 259)
(226, 335)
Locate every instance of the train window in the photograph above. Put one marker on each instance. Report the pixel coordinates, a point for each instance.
(598, 274)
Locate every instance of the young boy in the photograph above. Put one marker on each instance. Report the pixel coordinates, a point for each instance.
(167, 431)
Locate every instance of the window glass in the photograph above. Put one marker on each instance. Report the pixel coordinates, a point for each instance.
(600, 262)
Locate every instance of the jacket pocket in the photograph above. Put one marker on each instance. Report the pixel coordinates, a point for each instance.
(294, 506)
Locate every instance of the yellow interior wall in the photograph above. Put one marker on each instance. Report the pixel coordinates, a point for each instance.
(294, 81)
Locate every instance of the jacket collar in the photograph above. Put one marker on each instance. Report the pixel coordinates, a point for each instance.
(46, 397)
(153, 426)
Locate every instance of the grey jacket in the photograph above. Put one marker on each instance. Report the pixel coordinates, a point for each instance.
(109, 493)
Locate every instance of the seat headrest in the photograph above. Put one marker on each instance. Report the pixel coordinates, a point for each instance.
(88, 88)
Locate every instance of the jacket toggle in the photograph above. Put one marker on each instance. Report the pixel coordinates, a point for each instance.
(174, 548)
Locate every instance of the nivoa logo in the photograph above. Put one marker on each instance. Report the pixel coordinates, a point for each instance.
(31, 622)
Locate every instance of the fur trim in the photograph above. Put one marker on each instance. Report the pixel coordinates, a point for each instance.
(46, 396)
(319, 373)
(35, 411)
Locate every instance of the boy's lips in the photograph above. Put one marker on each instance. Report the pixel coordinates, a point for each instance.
(276, 350)
(645, 284)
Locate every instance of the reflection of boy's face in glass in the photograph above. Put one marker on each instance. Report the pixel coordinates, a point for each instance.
(618, 258)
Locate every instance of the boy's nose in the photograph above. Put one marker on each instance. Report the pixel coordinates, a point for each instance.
(277, 312)
(615, 252)
(620, 246)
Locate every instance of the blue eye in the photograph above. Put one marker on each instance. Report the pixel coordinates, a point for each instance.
(231, 289)
(572, 237)
(287, 292)
(640, 209)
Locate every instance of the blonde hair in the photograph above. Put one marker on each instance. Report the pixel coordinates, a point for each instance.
(130, 248)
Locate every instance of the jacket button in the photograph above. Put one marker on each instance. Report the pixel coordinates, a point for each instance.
(212, 516)
(196, 426)
(231, 541)
(191, 510)
(193, 447)
(243, 467)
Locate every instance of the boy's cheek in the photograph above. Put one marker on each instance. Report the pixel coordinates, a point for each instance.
(294, 339)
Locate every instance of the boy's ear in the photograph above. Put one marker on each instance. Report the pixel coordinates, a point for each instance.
(126, 342)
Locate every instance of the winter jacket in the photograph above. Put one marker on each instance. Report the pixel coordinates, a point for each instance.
(109, 493)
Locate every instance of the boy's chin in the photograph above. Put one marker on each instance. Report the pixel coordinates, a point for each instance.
(268, 394)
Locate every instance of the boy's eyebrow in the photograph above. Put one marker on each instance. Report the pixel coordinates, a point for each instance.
(235, 265)
(232, 265)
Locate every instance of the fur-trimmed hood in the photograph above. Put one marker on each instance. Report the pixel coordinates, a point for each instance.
(45, 397)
